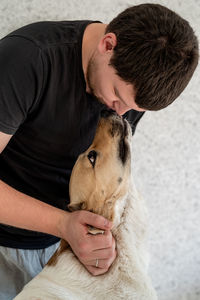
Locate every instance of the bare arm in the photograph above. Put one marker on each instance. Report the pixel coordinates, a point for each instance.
(20, 210)
(4, 139)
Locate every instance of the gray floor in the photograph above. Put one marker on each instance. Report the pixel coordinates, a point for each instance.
(166, 150)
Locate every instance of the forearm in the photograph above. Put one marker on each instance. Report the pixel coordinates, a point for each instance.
(20, 210)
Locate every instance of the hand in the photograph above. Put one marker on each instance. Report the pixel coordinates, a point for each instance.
(88, 248)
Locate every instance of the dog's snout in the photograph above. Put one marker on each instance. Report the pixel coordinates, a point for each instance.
(105, 113)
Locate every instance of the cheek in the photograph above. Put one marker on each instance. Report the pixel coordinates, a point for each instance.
(103, 86)
(81, 188)
(108, 96)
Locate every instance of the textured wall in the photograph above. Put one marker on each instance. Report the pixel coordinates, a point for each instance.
(166, 150)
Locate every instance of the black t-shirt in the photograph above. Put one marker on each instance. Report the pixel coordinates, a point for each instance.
(43, 103)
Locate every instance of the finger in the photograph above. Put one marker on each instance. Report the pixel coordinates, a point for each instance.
(100, 254)
(112, 246)
(103, 263)
(96, 271)
(101, 241)
(95, 220)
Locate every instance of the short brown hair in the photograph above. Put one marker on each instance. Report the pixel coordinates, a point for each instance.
(156, 51)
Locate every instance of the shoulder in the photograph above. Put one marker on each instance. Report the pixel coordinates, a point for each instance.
(21, 80)
(50, 33)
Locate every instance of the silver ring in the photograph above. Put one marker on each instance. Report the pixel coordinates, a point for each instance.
(97, 263)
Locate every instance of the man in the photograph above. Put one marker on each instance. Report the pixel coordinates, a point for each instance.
(56, 77)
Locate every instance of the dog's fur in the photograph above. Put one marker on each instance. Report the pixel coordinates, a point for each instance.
(101, 183)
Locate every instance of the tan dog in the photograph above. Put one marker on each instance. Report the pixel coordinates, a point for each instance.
(101, 183)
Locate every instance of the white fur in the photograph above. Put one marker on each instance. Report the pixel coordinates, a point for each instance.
(127, 278)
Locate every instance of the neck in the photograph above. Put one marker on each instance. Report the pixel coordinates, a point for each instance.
(118, 212)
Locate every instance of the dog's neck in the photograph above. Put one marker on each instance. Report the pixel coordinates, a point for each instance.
(118, 211)
(116, 216)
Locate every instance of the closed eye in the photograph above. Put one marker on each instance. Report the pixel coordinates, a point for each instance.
(92, 157)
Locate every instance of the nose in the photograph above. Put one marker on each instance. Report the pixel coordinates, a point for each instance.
(120, 108)
(122, 112)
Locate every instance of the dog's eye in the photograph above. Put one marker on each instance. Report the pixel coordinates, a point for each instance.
(92, 157)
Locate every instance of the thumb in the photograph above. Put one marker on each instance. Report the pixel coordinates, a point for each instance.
(95, 220)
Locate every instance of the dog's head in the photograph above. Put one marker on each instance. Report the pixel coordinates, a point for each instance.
(101, 174)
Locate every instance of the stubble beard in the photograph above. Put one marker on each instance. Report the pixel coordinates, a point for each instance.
(89, 75)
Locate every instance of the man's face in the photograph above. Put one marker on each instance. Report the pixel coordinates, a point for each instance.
(109, 88)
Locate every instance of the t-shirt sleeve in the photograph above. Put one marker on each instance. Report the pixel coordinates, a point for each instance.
(21, 78)
(133, 117)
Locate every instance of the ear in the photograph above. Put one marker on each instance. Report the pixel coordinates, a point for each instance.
(107, 43)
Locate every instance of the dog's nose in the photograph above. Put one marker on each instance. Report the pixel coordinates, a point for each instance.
(105, 113)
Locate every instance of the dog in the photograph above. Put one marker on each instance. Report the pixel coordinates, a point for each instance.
(101, 183)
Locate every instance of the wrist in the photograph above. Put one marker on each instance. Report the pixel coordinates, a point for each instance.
(62, 224)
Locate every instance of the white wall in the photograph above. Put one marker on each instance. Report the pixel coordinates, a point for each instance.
(166, 150)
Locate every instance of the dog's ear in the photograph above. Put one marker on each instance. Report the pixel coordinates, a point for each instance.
(75, 206)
